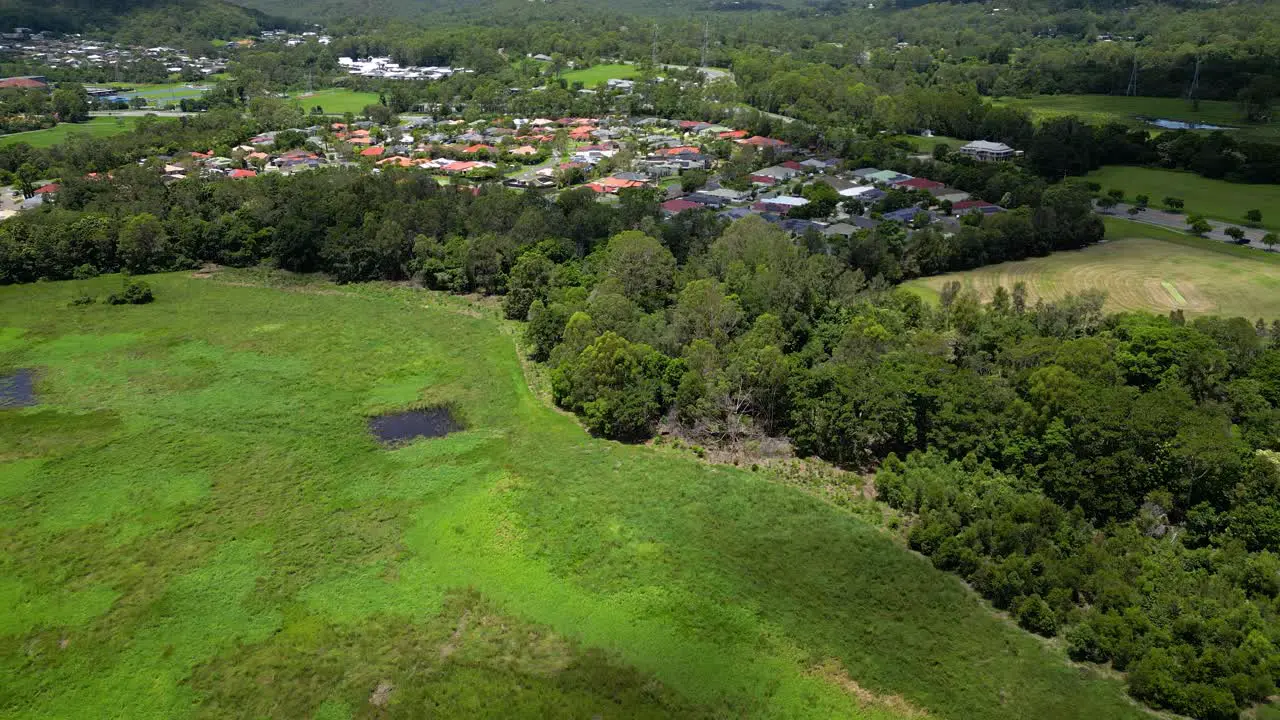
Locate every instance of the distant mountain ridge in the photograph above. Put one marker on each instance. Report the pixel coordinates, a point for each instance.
(171, 22)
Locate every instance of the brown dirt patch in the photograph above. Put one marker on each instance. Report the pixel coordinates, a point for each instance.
(381, 694)
(834, 673)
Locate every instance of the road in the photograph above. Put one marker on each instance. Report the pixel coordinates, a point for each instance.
(1178, 222)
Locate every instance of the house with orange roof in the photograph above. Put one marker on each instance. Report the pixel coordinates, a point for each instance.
(734, 135)
(375, 151)
(397, 160)
(472, 149)
(240, 174)
(612, 185)
(360, 141)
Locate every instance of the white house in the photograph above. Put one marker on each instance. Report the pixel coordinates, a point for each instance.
(986, 151)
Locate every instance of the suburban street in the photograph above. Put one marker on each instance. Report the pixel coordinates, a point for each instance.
(1178, 222)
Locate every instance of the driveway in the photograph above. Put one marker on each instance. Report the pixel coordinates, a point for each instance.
(1178, 222)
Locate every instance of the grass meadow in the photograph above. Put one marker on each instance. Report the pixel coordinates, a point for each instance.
(196, 523)
(1217, 199)
(94, 127)
(337, 101)
(600, 74)
(1141, 267)
(1117, 108)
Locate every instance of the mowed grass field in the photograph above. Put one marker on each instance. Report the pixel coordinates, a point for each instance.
(600, 74)
(337, 101)
(1140, 268)
(94, 127)
(195, 522)
(1217, 199)
(1118, 108)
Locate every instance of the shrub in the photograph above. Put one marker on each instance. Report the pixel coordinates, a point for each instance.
(133, 292)
(1034, 614)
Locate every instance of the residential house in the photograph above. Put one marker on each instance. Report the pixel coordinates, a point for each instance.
(965, 207)
(986, 151)
(679, 205)
(782, 204)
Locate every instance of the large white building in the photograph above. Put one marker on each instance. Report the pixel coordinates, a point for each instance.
(986, 151)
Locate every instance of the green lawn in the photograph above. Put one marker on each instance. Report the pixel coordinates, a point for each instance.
(927, 144)
(1212, 198)
(336, 101)
(95, 127)
(600, 74)
(1141, 267)
(195, 522)
(1118, 108)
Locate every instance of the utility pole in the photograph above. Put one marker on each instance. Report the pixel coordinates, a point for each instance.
(1133, 77)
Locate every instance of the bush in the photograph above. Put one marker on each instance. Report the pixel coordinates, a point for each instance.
(82, 299)
(1034, 614)
(134, 292)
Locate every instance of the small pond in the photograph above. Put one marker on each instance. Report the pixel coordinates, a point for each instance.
(1168, 124)
(18, 389)
(401, 427)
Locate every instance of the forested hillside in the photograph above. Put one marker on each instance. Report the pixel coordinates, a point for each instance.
(142, 22)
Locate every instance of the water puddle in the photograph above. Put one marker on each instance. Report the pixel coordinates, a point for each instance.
(1168, 124)
(402, 427)
(18, 389)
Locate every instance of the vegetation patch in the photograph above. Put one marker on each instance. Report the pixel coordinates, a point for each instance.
(252, 552)
(1217, 199)
(600, 74)
(1136, 272)
(97, 127)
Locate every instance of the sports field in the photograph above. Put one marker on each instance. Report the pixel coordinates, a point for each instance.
(599, 74)
(197, 522)
(94, 127)
(1140, 268)
(1217, 199)
(1118, 108)
(337, 101)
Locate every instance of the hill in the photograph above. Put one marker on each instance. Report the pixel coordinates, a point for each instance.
(198, 523)
(145, 22)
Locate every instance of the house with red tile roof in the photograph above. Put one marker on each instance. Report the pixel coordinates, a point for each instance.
(918, 183)
(734, 135)
(375, 151)
(48, 189)
(760, 141)
(239, 174)
(679, 205)
(472, 149)
(32, 82)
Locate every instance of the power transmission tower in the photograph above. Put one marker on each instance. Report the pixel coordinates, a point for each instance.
(706, 35)
(1133, 77)
(654, 59)
(1195, 81)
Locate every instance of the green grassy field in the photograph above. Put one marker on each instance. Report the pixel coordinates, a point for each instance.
(1212, 198)
(337, 101)
(95, 127)
(196, 522)
(599, 74)
(1140, 268)
(1116, 108)
(927, 144)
